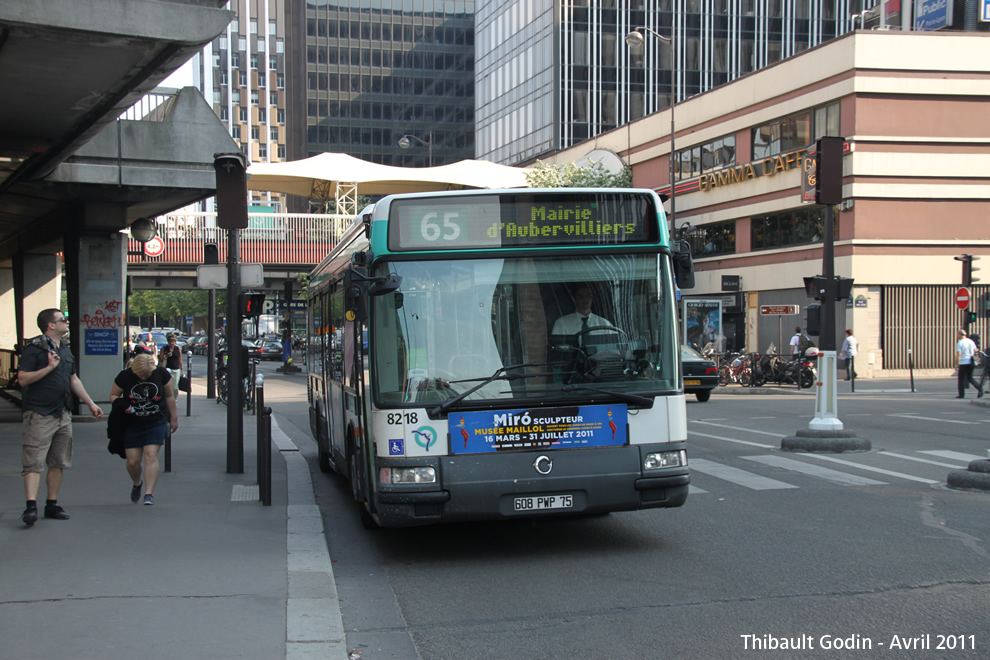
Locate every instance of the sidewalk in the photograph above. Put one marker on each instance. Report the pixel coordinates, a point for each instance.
(932, 388)
(207, 572)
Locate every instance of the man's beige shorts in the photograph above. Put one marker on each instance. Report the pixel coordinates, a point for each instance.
(47, 440)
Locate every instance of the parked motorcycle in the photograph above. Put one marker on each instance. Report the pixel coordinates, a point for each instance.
(774, 369)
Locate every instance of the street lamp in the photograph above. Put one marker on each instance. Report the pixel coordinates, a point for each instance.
(636, 39)
(404, 144)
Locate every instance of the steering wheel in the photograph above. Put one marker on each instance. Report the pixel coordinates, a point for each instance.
(600, 328)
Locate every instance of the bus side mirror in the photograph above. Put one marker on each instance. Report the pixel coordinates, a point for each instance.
(382, 285)
(683, 264)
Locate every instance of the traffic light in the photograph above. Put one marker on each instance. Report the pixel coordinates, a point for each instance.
(211, 254)
(967, 268)
(815, 287)
(971, 317)
(251, 305)
(232, 195)
(814, 320)
(828, 170)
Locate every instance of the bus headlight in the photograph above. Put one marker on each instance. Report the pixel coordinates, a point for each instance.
(665, 459)
(407, 475)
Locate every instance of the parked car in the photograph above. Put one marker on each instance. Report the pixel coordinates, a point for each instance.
(200, 345)
(700, 374)
(270, 350)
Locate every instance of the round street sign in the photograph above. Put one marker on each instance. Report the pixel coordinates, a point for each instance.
(962, 298)
(155, 247)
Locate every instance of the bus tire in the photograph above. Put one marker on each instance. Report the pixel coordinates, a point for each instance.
(322, 441)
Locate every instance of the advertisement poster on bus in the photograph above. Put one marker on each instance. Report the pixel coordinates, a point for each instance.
(568, 427)
(702, 323)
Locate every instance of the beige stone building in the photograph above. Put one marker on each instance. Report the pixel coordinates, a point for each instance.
(914, 111)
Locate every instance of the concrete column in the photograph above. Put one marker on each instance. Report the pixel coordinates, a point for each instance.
(96, 276)
(8, 307)
(37, 281)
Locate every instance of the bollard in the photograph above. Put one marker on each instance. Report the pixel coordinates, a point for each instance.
(264, 443)
(168, 449)
(911, 369)
(189, 393)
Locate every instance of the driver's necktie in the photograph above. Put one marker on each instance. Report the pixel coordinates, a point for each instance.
(584, 326)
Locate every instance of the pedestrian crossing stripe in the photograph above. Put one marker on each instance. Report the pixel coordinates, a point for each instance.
(736, 476)
(953, 455)
(828, 474)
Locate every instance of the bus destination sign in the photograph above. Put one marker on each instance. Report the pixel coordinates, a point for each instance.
(534, 220)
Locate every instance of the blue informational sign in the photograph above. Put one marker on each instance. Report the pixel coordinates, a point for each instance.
(932, 14)
(102, 342)
(985, 14)
(538, 428)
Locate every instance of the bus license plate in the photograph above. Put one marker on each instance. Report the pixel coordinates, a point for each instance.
(543, 502)
(693, 381)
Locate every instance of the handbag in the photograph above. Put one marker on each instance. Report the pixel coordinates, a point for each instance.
(184, 384)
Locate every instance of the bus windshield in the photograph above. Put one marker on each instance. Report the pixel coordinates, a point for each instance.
(464, 332)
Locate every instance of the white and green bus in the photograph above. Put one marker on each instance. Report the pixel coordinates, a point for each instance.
(456, 371)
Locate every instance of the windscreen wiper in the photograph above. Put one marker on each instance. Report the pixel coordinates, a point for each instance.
(622, 396)
(499, 374)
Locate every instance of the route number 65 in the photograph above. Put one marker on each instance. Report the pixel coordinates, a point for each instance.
(432, 231)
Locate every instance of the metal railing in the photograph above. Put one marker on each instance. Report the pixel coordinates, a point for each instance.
(153, 106)
(270, 238)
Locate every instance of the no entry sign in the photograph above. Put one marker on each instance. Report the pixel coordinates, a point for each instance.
(962, 298)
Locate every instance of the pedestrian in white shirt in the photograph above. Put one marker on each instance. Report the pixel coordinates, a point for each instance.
(850, 347)
(965, 352)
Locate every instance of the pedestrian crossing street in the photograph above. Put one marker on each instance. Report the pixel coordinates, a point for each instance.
(773, 469)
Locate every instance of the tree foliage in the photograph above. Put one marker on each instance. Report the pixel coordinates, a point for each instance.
(569, 175)
(171, 307)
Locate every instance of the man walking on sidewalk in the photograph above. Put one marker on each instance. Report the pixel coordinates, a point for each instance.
(47, 376)
(965, 350)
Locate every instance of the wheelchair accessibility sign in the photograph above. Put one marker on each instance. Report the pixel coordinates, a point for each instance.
(396, 447)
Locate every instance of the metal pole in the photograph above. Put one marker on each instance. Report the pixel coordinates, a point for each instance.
(673, 150)
(264, 444)
(911, 369)
(211, 346)
(235, 370)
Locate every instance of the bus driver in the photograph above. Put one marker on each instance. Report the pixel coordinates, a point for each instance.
(582, 318)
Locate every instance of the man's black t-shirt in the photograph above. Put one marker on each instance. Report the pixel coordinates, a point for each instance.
(53, 393)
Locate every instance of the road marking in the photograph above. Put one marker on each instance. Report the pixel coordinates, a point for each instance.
(739, 428)
(834, 476)
(872, 469)
(929, 419)
(694, 490)
(954, 455)
(736, 476)
(915, 458)
(740, 442)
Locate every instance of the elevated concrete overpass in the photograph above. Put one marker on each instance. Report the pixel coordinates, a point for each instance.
(73, 174)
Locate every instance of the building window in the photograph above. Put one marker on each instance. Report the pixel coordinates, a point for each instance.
(254, 60)
(242, 44)
(705, 158)
(254, 97)
(273, 98)
(262, 151)
(281, 151)
(782, 136)
(795, 227)
(224, 113)
(280, 114)
(827, 121)
(712, 240)
(235, 25)
(255, 133)
(235, 131)
(280, 80)
(261, 116)
(261, 45)
(262, 79)
(235, 60)
(236, 97)
(254, 26)
(280, 46)
(272, 62)
(274, 134)
(242, 113)
(242, 78)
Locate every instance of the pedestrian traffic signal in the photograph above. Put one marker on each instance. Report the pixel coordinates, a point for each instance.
(211, 254)
(251, 305)
(971, 317)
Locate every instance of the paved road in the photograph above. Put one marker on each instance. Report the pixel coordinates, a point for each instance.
(868, 548)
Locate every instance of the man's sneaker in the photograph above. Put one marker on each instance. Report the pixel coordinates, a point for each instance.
(55, 512)
(149, 499)
(136, 492)
(29, 516)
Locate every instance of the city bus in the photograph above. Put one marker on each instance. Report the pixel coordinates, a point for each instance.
(453, 374)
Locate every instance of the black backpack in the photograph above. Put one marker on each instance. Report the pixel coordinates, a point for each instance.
(804, 343)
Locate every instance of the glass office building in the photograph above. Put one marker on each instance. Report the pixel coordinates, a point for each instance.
(371, 72)
(553, 73)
